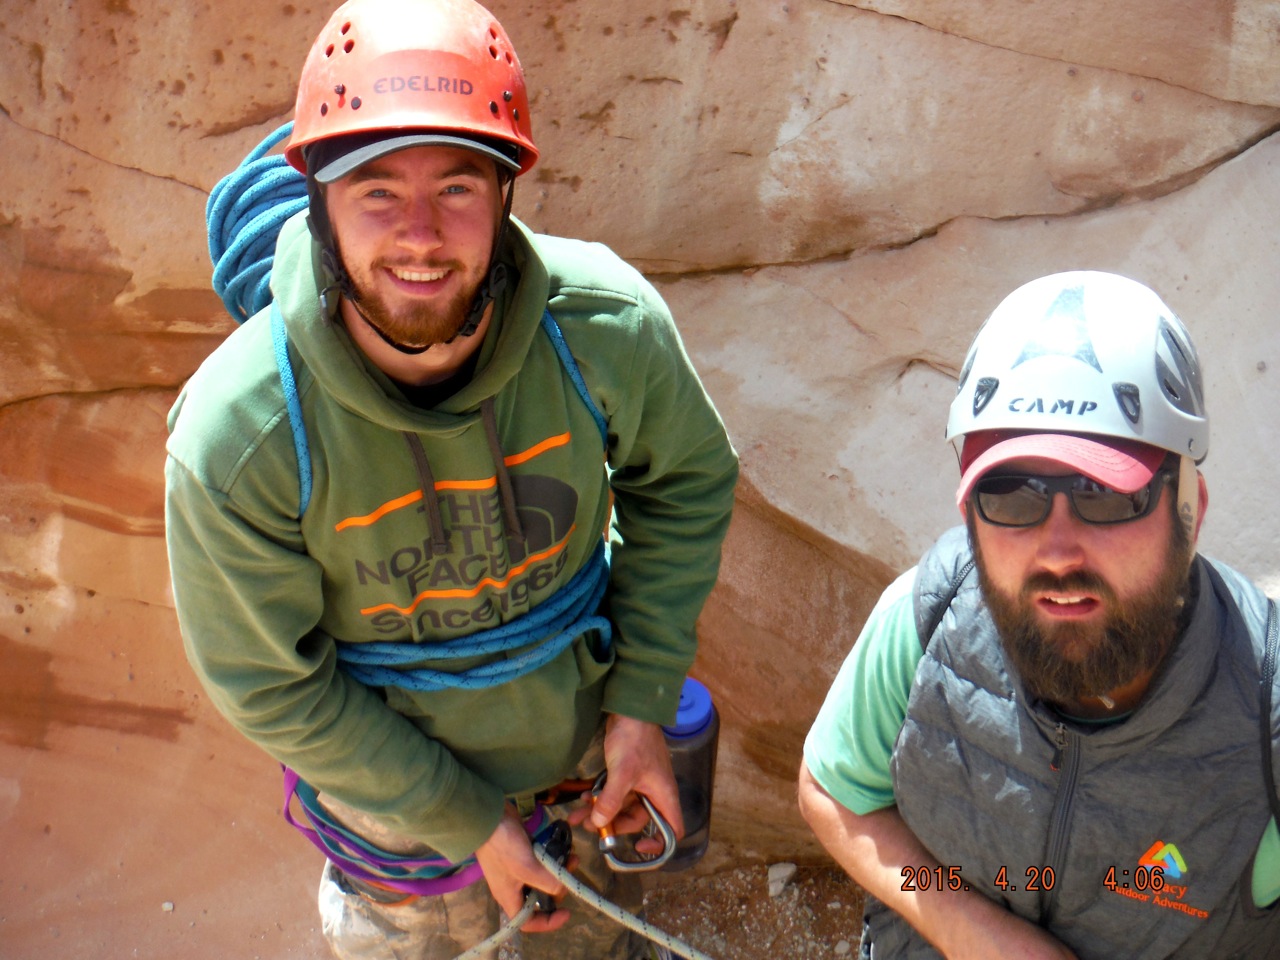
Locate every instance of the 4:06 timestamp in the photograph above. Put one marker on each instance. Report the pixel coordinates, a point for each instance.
(1144, 879)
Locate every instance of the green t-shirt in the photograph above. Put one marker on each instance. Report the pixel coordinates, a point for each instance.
(850, 744)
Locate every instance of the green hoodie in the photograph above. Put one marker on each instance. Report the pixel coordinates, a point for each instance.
(408, 535)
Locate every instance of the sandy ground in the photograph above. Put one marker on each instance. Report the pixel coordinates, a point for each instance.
(731, 916)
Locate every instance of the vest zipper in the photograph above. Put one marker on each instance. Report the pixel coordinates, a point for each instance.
(1066, 760)
(1060, 740)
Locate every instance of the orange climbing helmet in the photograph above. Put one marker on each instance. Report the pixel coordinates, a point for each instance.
(389, 74)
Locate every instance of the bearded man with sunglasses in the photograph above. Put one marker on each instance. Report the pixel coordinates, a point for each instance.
(1057, 734)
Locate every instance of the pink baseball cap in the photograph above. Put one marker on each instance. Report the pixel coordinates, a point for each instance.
(1123, 465)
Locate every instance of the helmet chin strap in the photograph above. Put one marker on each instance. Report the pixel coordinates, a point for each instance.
(495, 280)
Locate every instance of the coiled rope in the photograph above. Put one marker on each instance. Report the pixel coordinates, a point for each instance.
(553, 625)
(244, 215)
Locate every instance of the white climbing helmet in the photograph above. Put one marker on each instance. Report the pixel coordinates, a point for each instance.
(1089, 353)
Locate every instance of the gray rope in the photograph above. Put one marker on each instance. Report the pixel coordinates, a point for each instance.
(591, 899)
(504, 933)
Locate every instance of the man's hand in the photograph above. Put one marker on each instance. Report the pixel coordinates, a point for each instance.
(509, 867)
(638, 762)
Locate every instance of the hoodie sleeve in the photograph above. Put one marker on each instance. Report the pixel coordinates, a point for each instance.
(673, 474)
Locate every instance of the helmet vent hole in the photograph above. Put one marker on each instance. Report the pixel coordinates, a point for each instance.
(355, 103)
(515, 114)
(509, 60)
(506, 96)
(493, 51)
(346, 28)
(348, 46)
(1129, 400)
(324, 109)
(983, 392)
(328, 51)
(1172, 390)
(493, 108)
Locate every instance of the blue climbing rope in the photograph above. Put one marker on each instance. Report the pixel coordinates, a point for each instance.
(244, 215)
(570, 365)
(553, 625)
(293, 405)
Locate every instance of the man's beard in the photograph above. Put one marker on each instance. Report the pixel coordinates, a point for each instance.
(415, 325)
(1068, 662)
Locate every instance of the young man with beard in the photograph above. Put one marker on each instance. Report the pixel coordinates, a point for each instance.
(441, 518)
(1057, 735)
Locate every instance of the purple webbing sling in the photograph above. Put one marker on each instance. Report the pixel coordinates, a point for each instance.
(365, 862)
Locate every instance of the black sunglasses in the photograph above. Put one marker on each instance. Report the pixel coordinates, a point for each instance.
(1023, 500)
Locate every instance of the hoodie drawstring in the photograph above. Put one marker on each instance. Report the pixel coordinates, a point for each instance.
(431, 502)
(510, 516)
(512, 526)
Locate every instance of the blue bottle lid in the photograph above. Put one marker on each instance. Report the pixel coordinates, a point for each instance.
(695, 710)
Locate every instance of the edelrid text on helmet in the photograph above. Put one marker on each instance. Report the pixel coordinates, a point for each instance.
(426, 65)
(1084, 352)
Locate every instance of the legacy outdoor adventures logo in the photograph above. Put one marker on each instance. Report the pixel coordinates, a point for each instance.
(1166, 857)
(1155, 880)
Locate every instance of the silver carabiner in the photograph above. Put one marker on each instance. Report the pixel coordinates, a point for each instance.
(657, 824)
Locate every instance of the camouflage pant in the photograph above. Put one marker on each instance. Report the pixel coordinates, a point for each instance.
(359, 927)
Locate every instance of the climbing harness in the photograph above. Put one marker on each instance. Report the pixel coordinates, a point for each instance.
(433, 876)
(356, 857)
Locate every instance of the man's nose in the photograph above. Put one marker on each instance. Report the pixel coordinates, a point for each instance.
(1059, 547)
(420, 228)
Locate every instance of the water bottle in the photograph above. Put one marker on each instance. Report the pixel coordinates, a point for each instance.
(692, 740)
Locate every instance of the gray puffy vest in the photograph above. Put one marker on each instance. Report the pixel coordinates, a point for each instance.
(1062, 823)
